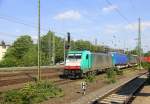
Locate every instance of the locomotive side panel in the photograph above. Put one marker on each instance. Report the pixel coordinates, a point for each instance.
(101, 61)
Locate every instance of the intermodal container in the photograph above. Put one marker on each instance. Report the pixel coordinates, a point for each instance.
(119, 58)
(146, 59)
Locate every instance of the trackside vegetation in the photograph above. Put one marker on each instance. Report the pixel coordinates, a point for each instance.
(23, 51)
(146, 65)
(111, 75)
(32, 93)
(90, 78)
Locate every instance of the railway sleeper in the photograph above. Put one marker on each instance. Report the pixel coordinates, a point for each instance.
(123, 95)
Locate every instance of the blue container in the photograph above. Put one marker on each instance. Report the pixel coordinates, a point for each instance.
(119, 59)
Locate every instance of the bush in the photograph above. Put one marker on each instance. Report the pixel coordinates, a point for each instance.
(146, 65)
(8, 62)
(32, 93)
(111, 75)
(148, 77)
(30, 58)
(12, 97)
(90, 78)
(118, 71)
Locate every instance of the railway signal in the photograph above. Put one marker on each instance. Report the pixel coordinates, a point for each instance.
(68, 37)
(68, 41)
(66, 45)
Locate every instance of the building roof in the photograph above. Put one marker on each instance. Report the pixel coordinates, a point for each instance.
(3, 43)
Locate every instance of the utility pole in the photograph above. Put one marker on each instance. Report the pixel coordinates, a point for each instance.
(90, 46)
(73, 44)
(139, 42)
(114, 41)
(96, 44)
(95, 41)
(124, 47)
(64, 50)
(53, 49)
(39, 42)
(49, 42)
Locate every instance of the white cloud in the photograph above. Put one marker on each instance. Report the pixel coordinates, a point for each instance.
(111, 29)
(68, 15)
(134, 26)
(109, 8)
(116, 28)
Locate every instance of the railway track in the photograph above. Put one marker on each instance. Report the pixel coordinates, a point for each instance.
(16, 79)
(122, 94)
(11, 69)
(12, 81)
(58, 82)
(26, 76)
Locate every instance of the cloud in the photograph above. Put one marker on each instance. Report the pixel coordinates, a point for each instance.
(116, 28)
(109, 8)
(111, 29)
(68, 15)
(134, 26)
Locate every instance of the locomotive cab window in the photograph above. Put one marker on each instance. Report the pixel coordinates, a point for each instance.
(74, 56)
(87, 56)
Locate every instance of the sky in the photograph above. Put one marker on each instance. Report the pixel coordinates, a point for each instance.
(114, 24)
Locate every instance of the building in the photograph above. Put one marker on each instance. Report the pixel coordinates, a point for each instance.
(3, 49)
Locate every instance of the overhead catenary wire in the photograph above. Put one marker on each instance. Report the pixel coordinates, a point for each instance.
(8, 34)
(132, 5)
(14, 35)
(31, 25)
(119, 12)
(20, 22)
(25, 23)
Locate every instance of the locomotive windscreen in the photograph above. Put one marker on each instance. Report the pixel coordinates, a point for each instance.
(74, 56)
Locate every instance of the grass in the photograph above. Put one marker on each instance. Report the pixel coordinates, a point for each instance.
(118, 71)
(111, 75)
(32, 93)
(90, 78)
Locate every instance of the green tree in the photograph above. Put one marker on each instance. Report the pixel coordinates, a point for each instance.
(82, 45)
(47, 46)
(21, 46)
(59, 49)
(30, 58)
(147, 53)
(14, 55)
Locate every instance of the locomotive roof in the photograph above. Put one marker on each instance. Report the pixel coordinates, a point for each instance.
(77, 52)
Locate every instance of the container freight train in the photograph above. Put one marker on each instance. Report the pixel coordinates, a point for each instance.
(146, 59)
(81, 63)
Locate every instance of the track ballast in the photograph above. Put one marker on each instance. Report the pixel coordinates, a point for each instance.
(123, 94)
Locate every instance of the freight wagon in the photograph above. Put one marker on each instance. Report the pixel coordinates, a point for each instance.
(133, 60)
(81, 63)
(146, 59)
(119, 60)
